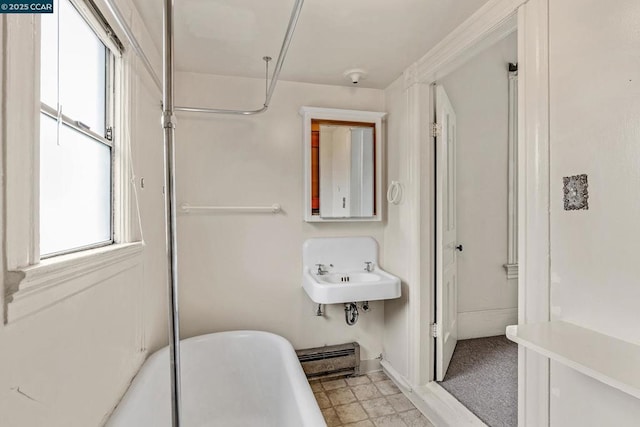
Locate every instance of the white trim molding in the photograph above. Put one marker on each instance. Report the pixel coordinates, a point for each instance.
(512, 181)
(2, 163)
(21, 124)
(442, 408)
(29, 283)
(418, 194)
(31, 289)
(533, 205)
(493, 21)
(410, 76)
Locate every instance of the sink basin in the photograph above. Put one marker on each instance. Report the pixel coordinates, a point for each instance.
(353, 277)
(350, 271)
(350, 286)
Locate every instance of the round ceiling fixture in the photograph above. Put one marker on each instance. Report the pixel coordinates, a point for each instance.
(355, 75)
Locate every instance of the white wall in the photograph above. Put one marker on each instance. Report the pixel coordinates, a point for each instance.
(400, 223)
(595, 105)
(242, 271)
(148, 164)
(478, 91)
(397, 229)
(68, 364)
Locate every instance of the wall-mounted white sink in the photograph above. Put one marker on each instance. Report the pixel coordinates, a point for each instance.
(350, 286)
(344, 270)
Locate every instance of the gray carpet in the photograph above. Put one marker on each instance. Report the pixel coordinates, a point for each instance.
(483, 376)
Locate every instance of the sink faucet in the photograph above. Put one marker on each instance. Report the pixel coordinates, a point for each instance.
(368, 266)
(321, 269)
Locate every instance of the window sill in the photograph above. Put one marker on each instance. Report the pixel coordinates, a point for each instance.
(36, 287)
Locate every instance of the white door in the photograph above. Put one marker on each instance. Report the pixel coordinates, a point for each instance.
(446, 267)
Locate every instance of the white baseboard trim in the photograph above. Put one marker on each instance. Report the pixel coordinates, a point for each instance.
(440, 407)
(391, 372)
(485, 323)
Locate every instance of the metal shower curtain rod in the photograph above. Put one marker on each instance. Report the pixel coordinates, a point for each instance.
(295, 13)
(133, 41)
(168, 125)
(293, 20)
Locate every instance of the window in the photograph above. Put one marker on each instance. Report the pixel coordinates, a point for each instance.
(66, 163)
(77, 72)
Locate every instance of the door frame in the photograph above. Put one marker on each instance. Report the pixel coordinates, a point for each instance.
(476, 33)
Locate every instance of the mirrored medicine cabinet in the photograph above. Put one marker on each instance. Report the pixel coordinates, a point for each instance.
(342, 164)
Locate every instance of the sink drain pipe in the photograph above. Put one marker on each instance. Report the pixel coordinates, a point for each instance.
(351, 313)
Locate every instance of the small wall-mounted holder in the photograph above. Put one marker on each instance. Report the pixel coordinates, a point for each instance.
(576, 192)
(394, 192)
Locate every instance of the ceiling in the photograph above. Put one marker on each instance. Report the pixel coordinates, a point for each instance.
(383, 37)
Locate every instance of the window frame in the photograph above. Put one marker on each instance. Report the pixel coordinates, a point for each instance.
(33, 283)
(100, 28)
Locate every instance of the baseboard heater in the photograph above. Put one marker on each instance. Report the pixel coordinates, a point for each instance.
(330, 361)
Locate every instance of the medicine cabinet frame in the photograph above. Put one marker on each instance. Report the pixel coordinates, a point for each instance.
(337, 115)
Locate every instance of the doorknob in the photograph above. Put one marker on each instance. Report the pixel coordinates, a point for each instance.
(459, 248)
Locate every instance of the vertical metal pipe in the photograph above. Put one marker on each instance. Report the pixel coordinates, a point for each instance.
(168, 124)
(293, 21)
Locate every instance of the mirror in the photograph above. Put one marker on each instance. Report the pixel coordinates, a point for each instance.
(342, 159)
(345, 169)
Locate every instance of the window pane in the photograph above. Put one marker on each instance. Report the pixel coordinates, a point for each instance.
(49, 57)
(75, 189)
(82, 70)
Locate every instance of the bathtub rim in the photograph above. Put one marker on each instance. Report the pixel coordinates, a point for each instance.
(303, 394)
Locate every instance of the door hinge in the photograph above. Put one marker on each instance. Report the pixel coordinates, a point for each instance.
(109, 134)
(436, 130)
(434, 330)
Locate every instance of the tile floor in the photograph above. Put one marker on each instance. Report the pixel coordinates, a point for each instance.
(366, 401)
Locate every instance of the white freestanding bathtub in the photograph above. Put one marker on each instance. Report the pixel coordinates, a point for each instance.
(242, 378)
